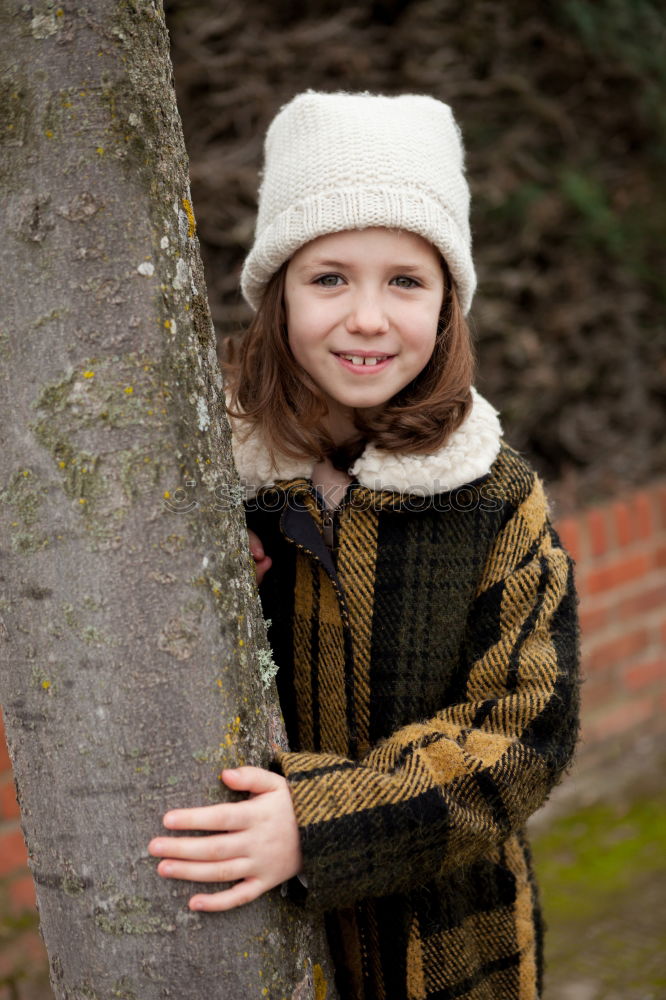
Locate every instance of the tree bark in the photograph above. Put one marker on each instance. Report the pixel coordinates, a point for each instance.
(134, 662)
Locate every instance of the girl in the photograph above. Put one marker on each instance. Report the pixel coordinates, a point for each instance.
(422, 607)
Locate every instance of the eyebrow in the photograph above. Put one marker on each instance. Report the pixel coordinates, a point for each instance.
(403, 268)
(323, 263)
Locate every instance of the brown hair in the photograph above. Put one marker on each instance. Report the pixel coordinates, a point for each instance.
(271, 391)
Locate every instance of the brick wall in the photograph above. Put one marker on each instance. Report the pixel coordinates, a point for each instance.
(620, 553)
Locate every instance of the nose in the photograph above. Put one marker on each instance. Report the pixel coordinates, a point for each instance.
(367, 315)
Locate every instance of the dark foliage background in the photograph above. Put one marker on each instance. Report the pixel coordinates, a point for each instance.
(563, 109)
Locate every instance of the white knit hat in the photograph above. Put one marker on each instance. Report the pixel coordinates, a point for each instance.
(350, 161)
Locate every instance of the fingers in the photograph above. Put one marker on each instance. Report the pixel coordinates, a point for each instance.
(202, 871)
(262, 562)
(261, 568)
(226, 815)
(239, 894)
(223, 817)
(255, 780)
(256, 546)
(211, 848)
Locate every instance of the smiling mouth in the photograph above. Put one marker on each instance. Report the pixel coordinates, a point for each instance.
(365, 360)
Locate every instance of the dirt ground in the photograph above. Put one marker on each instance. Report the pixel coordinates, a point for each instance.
(619, 955)
(600, 853)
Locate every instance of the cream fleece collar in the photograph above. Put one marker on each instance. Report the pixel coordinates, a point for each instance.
(466, 456)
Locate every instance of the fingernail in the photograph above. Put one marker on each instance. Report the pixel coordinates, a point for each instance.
(167, 869)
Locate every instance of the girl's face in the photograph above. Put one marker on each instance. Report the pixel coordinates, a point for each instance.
(362, 310)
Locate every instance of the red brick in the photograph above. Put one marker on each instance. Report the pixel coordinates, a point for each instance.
(663, 632)
(617, 719)
(660, 557)
(624, 522)
(593, 619)
(661, 499)
(9, 808)
(22, 893)
(616, 651)
(643, 513)
(13, 854)
(646, 600)
(643, 675)
(5, 763)
(569, 531)
(597, 529)
(617, 573)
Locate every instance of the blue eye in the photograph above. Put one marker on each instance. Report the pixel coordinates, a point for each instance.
(328, 280)
(402, 281)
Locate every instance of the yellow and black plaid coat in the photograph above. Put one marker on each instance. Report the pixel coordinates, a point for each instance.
(428, 677)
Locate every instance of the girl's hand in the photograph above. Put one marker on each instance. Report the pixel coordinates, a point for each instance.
(262, 562)
(254, 843)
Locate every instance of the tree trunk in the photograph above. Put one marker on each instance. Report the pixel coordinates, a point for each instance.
(135, 662)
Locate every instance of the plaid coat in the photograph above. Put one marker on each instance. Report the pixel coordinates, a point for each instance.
(428, 678)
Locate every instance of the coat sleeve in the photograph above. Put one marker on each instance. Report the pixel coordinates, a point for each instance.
(441, 793)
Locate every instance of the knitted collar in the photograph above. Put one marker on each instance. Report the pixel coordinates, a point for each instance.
(466, 456)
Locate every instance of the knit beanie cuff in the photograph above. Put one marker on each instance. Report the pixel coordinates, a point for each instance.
(353, 208)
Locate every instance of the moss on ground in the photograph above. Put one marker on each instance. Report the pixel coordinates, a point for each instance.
(602, 872)
(598, 852)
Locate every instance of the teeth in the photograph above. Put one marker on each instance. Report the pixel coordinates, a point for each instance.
(358, 360)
